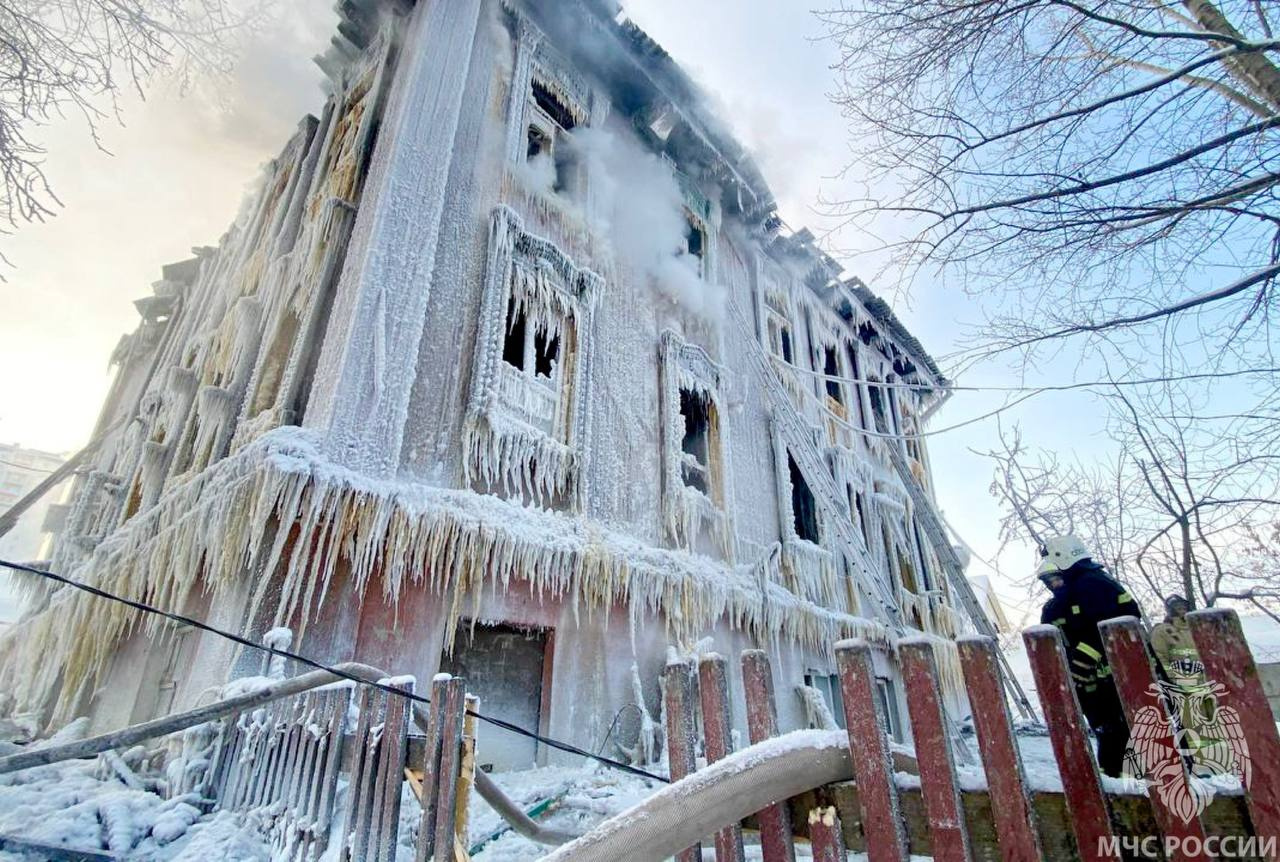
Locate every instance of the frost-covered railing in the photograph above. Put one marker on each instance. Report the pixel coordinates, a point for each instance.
(279, 748)
(284, 761)
(1010, 808)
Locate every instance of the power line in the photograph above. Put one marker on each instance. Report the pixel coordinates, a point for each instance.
(301, 659)
(23, 466)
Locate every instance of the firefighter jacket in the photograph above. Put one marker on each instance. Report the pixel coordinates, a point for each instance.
(1087, 597)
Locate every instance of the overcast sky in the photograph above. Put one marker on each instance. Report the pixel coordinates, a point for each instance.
(179, 167)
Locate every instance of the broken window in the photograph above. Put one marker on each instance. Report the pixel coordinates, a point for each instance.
(529, 348)
(887, 693)
(566, 163)
(695, 239)
(513, 343)
(784, 336)
(552, 106)
(545, 351)
(804, 509)
(539, 144)
(524, 428)
(695, 482)
(829, 686)
(860, 514)
(831, 368)
(696, 410)
(879, 409)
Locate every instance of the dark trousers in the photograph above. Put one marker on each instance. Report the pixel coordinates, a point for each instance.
(1105, 715)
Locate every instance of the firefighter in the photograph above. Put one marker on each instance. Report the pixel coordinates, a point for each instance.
(1083, 596)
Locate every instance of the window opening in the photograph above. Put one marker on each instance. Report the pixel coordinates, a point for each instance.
(803, 507)
(889, 707)
(785, 335)
(513, 343)
(831, 367)
(696, 469)
(829, 685)
(695, 240)
(539, 144)
(862, 517)
(552, 106)
(545, 353)
(566, 163)
(878, 409)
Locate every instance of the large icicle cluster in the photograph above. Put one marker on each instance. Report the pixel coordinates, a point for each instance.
(455, 543)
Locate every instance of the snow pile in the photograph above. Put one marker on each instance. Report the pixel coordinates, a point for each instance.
(66, 805)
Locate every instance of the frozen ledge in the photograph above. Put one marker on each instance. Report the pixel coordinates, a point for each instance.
(390, 535)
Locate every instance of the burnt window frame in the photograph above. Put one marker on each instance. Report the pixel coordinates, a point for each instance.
(806, 520)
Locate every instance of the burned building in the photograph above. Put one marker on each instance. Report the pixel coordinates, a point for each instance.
(511, 369)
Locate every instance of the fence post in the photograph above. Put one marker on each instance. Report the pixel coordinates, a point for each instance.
(1006, 781)
(947, 831)
(451, 716)
(467, 772)
(360, 816)
(679, 695)
(1090, 820)
(391, 753)
(426, 848)
(1144, 708)
(1229, 663)
(776, 844)
(717, 725)
(825, 835)
(869, 751)
(335, 734)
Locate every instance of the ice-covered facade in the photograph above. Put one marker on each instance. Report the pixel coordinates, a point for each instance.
(511, 368)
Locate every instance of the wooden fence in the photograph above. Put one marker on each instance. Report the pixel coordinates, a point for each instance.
(283, 760)
(1008, 820)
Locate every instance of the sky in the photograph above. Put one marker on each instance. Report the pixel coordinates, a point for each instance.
(177, 166)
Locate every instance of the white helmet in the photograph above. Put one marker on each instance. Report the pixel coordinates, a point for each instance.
(1061, 553)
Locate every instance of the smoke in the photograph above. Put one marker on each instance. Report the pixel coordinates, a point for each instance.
(637, 203)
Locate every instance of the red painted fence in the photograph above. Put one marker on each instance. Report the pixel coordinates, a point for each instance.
(1004, 817)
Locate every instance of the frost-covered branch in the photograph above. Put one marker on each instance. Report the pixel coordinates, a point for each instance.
(74, 57)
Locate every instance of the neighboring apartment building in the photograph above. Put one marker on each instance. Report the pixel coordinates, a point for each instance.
(21, 470)
(512, 371)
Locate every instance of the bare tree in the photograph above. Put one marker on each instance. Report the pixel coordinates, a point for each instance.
(73, 57)
(1092, 167)
(1188, 505)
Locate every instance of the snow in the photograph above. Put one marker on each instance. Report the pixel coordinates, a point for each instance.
(68, 805)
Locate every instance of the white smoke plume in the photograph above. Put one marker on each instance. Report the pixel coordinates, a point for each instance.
(637, 203)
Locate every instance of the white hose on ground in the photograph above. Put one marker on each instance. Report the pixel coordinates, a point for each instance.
(515, 817)
(684, 813)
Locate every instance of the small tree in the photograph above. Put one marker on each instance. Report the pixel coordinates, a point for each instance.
(61, 57)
